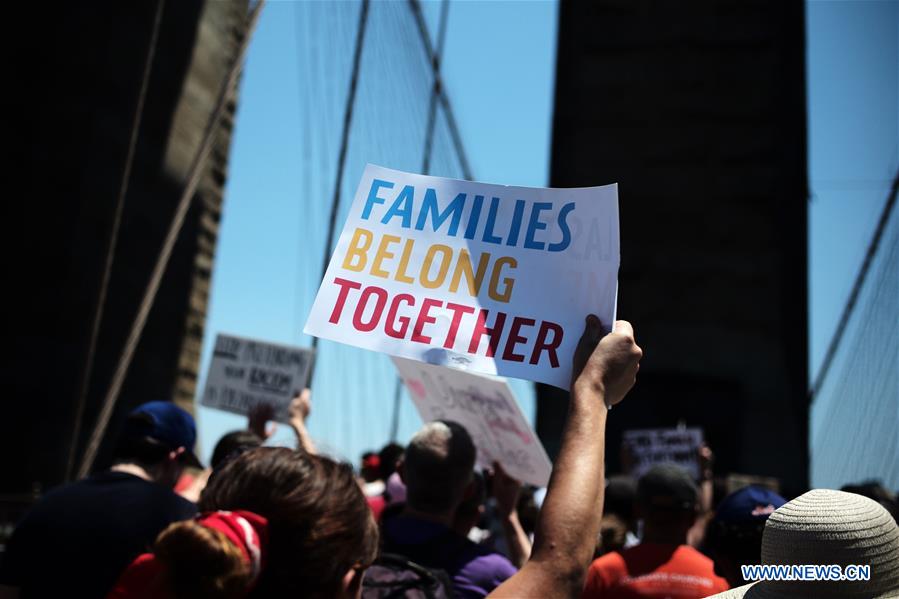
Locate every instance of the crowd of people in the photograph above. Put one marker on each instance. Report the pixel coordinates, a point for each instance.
(419, 521)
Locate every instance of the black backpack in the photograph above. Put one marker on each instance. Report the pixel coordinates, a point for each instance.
(394, 576)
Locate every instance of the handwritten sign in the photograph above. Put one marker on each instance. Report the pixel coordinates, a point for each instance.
(652, 446)
(487, 409)
(244, 372)
(492, 278)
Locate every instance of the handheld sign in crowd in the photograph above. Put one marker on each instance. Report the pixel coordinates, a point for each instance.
(652, 446)
(487, 409)
(244, 372)
(492, 278)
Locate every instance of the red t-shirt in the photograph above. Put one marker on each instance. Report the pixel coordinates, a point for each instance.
(653, 570)
(376, 503)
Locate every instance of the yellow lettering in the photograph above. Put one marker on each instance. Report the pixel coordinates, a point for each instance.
(463, 267)
(382, 254)
(359, 245)
(508, 282)
(401, 275)
(444, 266)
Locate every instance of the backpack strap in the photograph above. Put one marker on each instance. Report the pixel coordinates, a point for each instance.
(428, 582)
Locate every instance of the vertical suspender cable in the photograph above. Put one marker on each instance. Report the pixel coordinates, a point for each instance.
(436, 90)
(111, 242)
(194, 174)
(856, 289)
(415, 5)
(345, 138)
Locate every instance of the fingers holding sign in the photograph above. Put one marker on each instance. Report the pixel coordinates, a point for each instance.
(606, 363)
(258, 418)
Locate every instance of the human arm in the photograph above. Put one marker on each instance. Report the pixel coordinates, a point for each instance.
(604, 371)
(506, 490)
(696, 535)
(298, 412)
(258, 418)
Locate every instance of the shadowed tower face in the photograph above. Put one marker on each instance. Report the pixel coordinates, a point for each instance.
(697, 111)
(77, 104)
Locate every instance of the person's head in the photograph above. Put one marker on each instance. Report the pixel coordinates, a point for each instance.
(437, 468)
(219, 555)
(612, 535)
(370, 467)
(321, 532)
(667, 502)
(469, 511)
(621, 492)
(830, 528)
(232, 445)
(734, 536)
(389, 457)
(158, 436)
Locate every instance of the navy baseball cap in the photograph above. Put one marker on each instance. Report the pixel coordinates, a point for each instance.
(750, 504)
(166, 423)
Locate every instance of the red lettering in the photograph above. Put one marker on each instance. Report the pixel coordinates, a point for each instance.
(514, 338)
(390, 326)
(424, 318)
(345, 287)
(458, 311)
(551, 347)
(360, 308)
(481, 329)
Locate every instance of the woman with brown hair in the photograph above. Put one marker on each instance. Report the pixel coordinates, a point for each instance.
(317, 539)
(322, 535)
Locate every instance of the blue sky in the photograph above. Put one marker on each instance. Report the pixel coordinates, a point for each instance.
(278, 191)
(853, 76)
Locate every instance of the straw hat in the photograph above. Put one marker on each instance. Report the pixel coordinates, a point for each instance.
(829, 527)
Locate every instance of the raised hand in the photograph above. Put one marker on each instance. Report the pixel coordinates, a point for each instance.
(258, 418)
(607, 364)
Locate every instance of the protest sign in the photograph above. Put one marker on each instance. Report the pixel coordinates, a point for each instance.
(493, 278)
(487, 409)
(244, 372)
(651, 446)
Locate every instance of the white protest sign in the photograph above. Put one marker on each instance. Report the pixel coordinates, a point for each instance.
(652, 446)
(492, 278)
(244, 372)
(487, 409)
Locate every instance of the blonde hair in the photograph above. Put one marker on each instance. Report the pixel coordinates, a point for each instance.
(202, 562)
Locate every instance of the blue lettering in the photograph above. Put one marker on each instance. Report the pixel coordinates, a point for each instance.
(534, 225)
(373, 196)
(516, 223)
(566, 232)
(402, 206)
(429, 206)
(489, 237)
(473, 218)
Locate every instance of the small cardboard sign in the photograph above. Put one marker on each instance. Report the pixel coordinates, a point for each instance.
(487, 409)
(652, 446)
(490, 278)
(244, 372)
